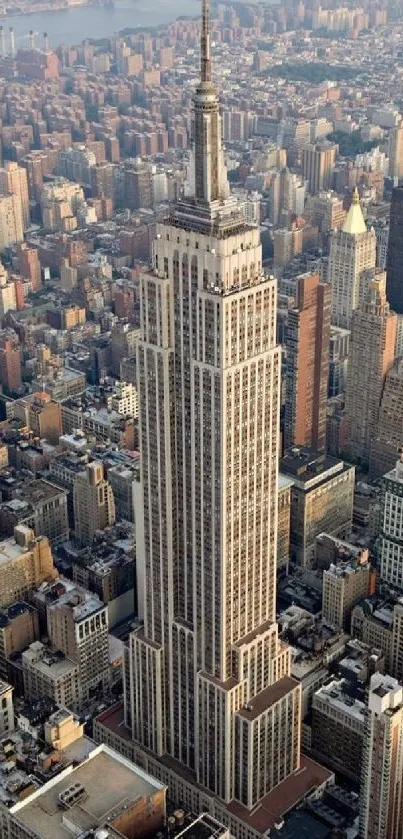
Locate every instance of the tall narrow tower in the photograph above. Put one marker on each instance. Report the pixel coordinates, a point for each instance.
(352, 253)
(372, 350)
(207, 679)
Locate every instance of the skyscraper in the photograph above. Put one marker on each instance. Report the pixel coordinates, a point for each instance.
(317, 165)
(307, 343)
(389, 435)
(396, 151)
(373, 333)
(10, 364)
(394, 262)
(381, 794)
(391, 542)
(352, 253)
(207, 679)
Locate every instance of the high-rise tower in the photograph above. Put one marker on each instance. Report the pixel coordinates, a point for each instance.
(207, 679)
(372, 349)
(352, 256)
(394, 262)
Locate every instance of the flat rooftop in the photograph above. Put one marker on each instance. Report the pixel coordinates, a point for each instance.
(334, 696)
(268, 697)
(308, 471)
(126, 782)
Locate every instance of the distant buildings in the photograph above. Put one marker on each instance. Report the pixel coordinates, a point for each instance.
(317, 166)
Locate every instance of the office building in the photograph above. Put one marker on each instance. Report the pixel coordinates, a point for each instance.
(396, 151)
(14, 181)
(391, 543)
(10, 364)
(123, 479)
(326, 212)
(6, 709)
(381, 794)
(29, 265)
(11, 221)
(344, 585)
(307, 370)
(389, 434)
(105, 792)
(78, 627)
(7, 293)
(39, 505)
(322, 497)
(352, 253)
(284, 524)
(339, 350)
(47, 672)
(94, 504)
(338, 722)
(19, 627)
(394, 262)
(208, 681)
(25, 562)
(372, 352)
(317, 165)
(287, 244)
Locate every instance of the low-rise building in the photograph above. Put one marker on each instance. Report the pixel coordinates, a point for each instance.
(19, 627)
(130, 802)
(321, 500)
(25, 562)
(344, 585)
(47, 672)
(39, 505)
(6, 709)
(338, 720)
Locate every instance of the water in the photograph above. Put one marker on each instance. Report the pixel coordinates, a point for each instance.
(71, 26)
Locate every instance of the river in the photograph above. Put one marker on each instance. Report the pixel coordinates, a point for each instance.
(72, 25)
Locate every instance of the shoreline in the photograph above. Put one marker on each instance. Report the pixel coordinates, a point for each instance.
(18, 12)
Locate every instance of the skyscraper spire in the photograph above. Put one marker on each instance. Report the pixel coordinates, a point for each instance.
(205, 43)
(209, 179)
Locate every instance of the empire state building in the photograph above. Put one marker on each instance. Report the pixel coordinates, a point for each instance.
(208, 691)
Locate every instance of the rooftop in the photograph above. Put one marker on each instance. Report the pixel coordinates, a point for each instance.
(308, 470)
(81, 601)
(335, 696)
(267, 697)
(99, 803)
(354, 223)
(48, 661)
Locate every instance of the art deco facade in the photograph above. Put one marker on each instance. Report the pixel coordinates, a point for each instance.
(389, 434)
(373, 333)
(352, 253)
(207, 678)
